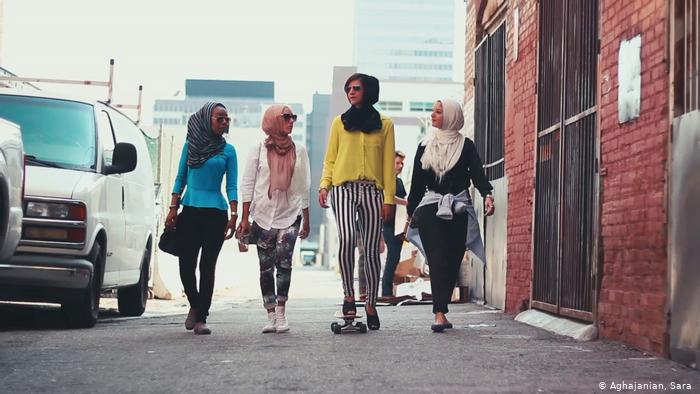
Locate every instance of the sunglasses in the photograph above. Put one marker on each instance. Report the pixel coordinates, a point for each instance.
(288, 117)
(356, 88)
(222, 118)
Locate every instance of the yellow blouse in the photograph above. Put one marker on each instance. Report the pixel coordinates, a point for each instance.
(354, 155)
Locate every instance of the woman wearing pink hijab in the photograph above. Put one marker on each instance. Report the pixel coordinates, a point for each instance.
(275, 191)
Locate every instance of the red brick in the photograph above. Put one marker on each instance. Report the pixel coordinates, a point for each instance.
(633, 215)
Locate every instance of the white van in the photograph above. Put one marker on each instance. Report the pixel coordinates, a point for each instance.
(89, 207)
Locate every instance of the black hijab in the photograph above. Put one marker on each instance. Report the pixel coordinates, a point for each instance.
(365, 118)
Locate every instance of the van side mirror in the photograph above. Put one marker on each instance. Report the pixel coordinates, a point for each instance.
(123, 159)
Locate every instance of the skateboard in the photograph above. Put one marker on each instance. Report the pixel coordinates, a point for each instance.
(349, 325)
(362, 304)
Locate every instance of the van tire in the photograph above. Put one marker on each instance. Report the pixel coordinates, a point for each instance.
(132, 300)
(82, 310)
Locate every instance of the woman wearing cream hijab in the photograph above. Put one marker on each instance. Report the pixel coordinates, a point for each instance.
(439, 206)
(275, 189)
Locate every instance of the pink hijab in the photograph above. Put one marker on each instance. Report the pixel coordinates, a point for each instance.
(281, 152)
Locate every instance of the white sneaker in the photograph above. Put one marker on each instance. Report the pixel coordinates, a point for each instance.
(271, 325)
(282, 325)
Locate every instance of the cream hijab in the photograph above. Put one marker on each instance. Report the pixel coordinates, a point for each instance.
(443, 146)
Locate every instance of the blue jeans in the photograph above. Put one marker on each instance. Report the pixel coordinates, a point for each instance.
(393, 255)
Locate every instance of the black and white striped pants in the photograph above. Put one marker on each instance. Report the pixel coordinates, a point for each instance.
(358, 213)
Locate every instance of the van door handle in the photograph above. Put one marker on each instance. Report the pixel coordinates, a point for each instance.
(122, 198)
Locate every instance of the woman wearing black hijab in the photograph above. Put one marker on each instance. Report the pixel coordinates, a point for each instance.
(358, 172)
(203, 223)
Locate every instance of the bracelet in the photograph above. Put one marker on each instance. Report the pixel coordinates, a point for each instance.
(174, 206)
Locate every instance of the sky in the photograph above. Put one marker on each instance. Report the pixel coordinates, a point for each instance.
(160, 43)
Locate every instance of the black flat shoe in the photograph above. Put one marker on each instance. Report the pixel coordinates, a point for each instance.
(373, 321)
(439, 327)
(349, 308)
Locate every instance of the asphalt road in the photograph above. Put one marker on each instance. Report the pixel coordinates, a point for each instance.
(486, 352)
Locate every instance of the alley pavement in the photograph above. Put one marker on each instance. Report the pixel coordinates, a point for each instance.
(487, 351)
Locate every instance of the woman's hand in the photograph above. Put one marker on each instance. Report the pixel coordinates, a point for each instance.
(387, 212)
(489, 205)
(230, 227)
(323, 197)
(304, 232)
(243, 228)
(171, 219)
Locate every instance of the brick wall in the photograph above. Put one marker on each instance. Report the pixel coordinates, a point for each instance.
(633, 297)
(520, 133)
(521, 106)
(469, 45)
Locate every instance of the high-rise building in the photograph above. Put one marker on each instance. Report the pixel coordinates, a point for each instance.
(410, 40)
(409, 45)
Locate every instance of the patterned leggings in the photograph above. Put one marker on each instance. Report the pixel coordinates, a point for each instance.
(275, 249)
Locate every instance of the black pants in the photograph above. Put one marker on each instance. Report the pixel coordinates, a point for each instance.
(443, 241)
(200, 228)
(393, 255)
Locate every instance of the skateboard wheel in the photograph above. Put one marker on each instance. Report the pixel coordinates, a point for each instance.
(362, 327)
(335, 327)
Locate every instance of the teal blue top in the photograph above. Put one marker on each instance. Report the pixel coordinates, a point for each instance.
(203, 184)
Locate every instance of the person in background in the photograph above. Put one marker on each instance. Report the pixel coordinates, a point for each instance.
(393, 242)
(203, 224)
(439, 205)
(275, 189)
(358, 172)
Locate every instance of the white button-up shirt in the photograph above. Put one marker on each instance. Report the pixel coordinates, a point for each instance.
(280, 211)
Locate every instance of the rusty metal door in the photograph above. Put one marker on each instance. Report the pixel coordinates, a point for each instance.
(566, 188)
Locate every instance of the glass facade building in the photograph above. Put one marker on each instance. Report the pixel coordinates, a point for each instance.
(408, 40)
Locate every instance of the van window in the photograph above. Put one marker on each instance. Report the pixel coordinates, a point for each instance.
(57, 132)
(106, 137)
(124, 129)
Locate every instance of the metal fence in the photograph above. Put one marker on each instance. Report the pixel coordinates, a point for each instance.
(686, 42)
(489, 105)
